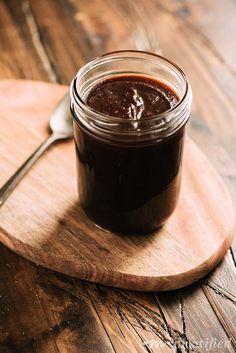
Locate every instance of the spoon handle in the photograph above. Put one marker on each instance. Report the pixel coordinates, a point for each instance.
(11, 183)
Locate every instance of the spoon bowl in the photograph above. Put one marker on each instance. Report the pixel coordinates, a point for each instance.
(61, 122)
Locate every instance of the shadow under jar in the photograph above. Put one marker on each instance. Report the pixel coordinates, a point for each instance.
(129, 146)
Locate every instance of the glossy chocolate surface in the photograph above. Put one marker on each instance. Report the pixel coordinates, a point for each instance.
(131, 97)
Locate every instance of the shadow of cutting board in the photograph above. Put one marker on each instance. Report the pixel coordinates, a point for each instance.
(43, 222)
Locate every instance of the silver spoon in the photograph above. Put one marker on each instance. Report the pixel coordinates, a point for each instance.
(61, 127)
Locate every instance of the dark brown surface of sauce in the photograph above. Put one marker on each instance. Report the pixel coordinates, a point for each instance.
(131, 97)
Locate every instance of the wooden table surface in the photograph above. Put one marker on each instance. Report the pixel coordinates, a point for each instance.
(46, 312)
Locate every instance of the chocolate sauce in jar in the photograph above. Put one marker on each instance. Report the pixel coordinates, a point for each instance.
(130, 109)
(131, 97)
(133, 186)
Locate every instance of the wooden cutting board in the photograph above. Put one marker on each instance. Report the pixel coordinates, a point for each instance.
(42, 221)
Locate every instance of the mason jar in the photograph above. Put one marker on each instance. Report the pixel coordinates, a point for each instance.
(129, 172)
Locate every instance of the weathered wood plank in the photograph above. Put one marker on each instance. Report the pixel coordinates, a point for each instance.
(17, 55)
(24, 326)
(189, 34)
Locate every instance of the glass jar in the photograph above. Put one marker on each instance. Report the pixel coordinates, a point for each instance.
(129, 172)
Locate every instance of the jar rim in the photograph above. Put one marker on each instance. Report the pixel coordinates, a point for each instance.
(108, 118)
